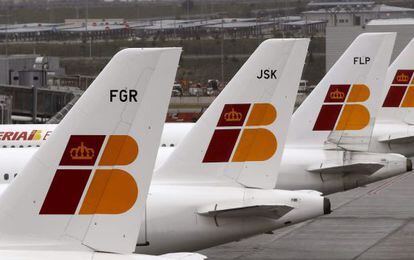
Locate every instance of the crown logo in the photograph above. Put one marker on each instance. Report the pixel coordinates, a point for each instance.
(337, 95)
(402, 77)
(82, 152)
(233, 116)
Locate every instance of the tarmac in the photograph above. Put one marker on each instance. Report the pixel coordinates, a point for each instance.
(372, 222)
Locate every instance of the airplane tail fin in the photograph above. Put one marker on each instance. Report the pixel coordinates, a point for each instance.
(398, 99)
(88, 184)
(340, 111)
(240, 137)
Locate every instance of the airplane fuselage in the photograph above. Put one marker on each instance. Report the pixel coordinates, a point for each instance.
(388, 129)
(295, 171)
(294, 174)
(174, 219)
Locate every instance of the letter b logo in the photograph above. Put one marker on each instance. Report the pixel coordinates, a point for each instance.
(341, 110)
(243, 130)
(111, 191)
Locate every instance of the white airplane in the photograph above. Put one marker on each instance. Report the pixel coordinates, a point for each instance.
(356, 162)
(225, 191)
(340, 167)
(334, 125)
(394, 126)
(394, 130)
(328, 144)
(82, 193)
(309, 166)
(337, 160)
(213, 200)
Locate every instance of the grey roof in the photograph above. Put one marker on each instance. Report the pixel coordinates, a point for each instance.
(96, 28)
(304, 22)
(145, 25)
(178, 24)
(373, 9)
(288, 18)
(27, 25)
(213, 23)
(28, 28)
(399, 21)
(346, 3)
(238, 25)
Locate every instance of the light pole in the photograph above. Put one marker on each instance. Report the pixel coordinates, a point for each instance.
(188, 9)
(86, 28)
(222, 49)
(7, 30)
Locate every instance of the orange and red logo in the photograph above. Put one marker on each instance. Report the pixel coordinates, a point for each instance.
(111, 191)
(401, 92)
(341, 110)
(242, 124)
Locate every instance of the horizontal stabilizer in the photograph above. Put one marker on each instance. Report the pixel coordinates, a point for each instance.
(396, 138)
(332, 168)
(184, 256)
(245, 210)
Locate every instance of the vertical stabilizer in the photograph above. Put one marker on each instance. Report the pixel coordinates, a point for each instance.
(240, 137)
(398, 99)
(87, 185)
(341, 110)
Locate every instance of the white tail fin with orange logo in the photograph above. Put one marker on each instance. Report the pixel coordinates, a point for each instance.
(398, 99)
(87, 186)
(240, 137)
(341, 110)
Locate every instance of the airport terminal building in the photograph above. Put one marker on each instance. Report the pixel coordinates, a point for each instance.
(339, 38)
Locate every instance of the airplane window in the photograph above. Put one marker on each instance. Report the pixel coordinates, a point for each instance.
(6, 176)
(171, 145)
(163, 145)
(12, 146)
(37, 145)
(4, 146)
(15, 175)
(21, 146)
(29, 146)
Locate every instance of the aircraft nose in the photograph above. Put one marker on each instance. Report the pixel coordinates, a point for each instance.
(409, 165)
(326, 206)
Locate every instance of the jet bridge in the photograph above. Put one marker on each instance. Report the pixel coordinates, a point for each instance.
(35, 102)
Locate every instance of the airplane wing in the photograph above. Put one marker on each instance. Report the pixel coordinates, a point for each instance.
(364, 168)
(396, 138)
(245, 210)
